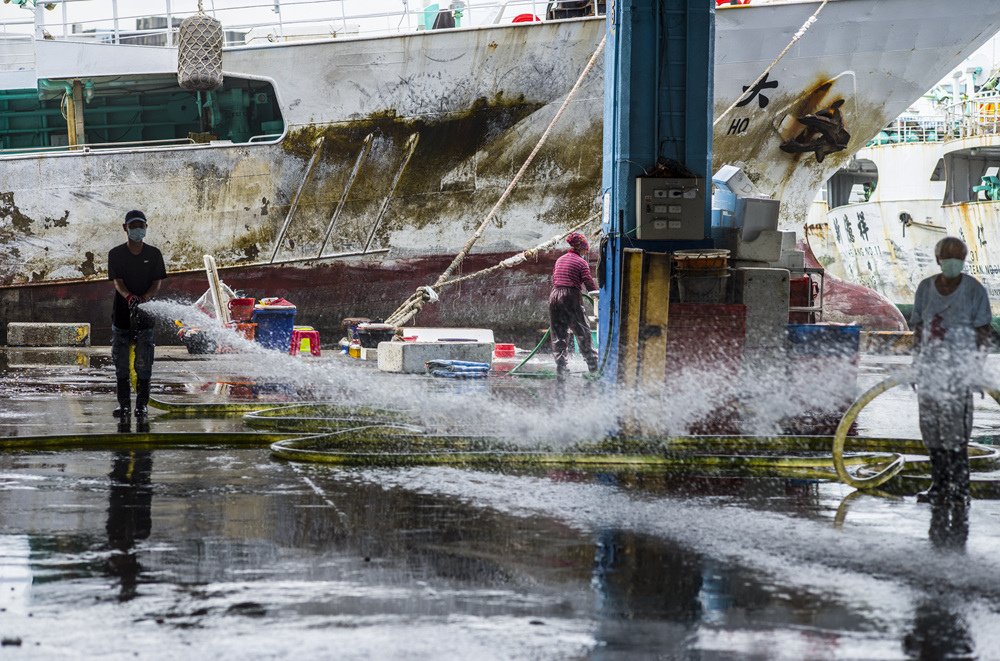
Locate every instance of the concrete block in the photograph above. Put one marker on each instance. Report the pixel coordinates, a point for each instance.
(409, 357)
(27, 334)
(765, 293)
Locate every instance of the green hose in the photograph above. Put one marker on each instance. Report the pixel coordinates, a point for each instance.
(332, 433)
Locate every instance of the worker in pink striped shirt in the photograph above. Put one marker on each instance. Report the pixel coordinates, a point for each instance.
(570, 277)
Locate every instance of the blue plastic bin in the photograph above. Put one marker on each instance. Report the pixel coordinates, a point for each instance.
(274, 328)
(819, 340)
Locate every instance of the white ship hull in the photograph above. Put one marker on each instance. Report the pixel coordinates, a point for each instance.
(477, 100)
(887, 243)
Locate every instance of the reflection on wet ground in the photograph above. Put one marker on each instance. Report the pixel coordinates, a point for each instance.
(216, 552)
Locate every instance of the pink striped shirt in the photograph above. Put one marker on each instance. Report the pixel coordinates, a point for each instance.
(571, 270)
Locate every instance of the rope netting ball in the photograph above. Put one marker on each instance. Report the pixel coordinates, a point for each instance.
(199, 53)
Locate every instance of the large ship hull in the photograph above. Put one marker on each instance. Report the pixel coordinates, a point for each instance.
(421, 133)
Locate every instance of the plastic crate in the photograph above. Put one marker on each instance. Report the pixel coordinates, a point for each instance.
(274, 328)
(706, 337)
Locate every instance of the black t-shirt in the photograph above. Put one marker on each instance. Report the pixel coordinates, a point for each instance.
(139, 272)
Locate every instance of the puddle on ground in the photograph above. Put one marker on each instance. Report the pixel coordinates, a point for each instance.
(231, 553)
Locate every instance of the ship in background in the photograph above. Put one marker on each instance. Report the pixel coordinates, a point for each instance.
(933, 171)
(394, 146)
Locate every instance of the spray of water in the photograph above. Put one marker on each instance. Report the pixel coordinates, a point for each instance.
(765, 395)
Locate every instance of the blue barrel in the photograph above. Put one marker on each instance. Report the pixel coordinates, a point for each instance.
(823, 341)
(274, 328)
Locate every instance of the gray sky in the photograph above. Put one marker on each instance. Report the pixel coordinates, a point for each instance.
(324, 14)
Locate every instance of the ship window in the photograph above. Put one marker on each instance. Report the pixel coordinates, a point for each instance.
(852, 184)
(141, 109)
(973, 175)
(938, 173)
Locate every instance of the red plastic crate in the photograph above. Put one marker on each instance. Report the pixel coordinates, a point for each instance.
(706, 337)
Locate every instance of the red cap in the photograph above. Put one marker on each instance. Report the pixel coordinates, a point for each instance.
(578, 241)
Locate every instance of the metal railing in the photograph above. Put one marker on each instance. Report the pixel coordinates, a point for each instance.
(247, 21)
(977, 116)
(86, 147)
(904, 130)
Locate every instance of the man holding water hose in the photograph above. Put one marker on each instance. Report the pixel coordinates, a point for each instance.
(137, 270)
(951, 336)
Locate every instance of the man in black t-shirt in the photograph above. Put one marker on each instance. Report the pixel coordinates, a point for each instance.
(137, 270)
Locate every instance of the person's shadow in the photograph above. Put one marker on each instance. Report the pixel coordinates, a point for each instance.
(940, 630)
(129, 516)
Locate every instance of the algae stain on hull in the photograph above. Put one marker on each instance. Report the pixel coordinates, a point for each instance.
(452, 178)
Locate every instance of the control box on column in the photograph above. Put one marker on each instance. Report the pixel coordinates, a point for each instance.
(669, 209)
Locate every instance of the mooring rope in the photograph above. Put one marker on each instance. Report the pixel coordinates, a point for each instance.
(412, 305)
(750, 90)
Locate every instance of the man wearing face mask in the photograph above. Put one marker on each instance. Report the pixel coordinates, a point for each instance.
(951, 335)
(137, 270)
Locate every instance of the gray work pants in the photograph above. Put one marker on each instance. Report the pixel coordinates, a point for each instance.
(945, 418)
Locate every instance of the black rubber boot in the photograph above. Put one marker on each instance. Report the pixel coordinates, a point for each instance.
(125, 423)
(124, 393)
(939, 477)
(958, 476)
(141, 402)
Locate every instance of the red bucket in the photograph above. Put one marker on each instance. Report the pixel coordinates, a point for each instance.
(504, 351)
(241, 309)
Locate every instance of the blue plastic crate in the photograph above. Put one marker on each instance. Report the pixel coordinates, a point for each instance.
(274, 328)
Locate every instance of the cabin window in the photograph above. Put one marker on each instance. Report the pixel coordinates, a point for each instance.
(119, 111)
(853, 184)
(973, 175)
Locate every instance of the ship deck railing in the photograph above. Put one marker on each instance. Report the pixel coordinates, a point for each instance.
(977, 116)
(287, 20)
(87, 147)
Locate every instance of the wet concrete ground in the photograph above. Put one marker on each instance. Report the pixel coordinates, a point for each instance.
(211, 552)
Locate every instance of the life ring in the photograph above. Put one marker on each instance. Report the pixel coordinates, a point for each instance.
(723, 3)
(526, 18)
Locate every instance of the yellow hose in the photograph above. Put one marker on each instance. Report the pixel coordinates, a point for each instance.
(899, 462)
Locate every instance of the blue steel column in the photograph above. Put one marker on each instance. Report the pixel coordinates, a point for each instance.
(658, 95)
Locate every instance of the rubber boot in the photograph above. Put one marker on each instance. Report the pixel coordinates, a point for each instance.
(141, 402)
(123, 391)
(939, 476)
(958, 477)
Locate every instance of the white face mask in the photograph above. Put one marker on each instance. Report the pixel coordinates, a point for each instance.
(952, 268)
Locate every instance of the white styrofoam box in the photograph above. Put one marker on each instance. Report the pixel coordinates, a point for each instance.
(765, 248)
(765, 293)
(437, 334)
(409, 357)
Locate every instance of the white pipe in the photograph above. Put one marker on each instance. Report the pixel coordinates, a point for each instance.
(170, 25)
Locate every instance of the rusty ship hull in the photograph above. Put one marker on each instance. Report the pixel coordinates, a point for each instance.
(394, 148)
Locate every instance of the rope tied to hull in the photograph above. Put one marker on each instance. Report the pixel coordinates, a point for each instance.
(412, 305)
(427, 294)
